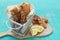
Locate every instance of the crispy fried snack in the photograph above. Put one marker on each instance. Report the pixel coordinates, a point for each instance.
(40, 21)
(20, 15)
(26, 8)
(14, 14)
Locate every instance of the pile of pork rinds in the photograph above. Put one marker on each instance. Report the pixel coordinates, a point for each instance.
(20, 15)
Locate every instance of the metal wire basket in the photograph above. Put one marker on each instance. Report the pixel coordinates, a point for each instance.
(21, 29)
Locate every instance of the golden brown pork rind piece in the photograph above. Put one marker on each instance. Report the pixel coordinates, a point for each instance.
(40, 21)
(26, 8)
(14, 13)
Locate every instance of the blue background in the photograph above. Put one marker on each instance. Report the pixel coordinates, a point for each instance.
(44, 8)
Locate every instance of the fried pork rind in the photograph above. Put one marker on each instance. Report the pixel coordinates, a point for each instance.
(19, 13)
(26, 8)
(40, 21)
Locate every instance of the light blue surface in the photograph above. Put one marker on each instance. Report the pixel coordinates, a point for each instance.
(43, 8)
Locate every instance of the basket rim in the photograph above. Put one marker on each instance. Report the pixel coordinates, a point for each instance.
(10, 18)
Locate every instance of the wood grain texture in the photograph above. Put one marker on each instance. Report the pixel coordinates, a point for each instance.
(46, 32)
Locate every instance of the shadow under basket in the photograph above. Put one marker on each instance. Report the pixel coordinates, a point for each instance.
(21, 29)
